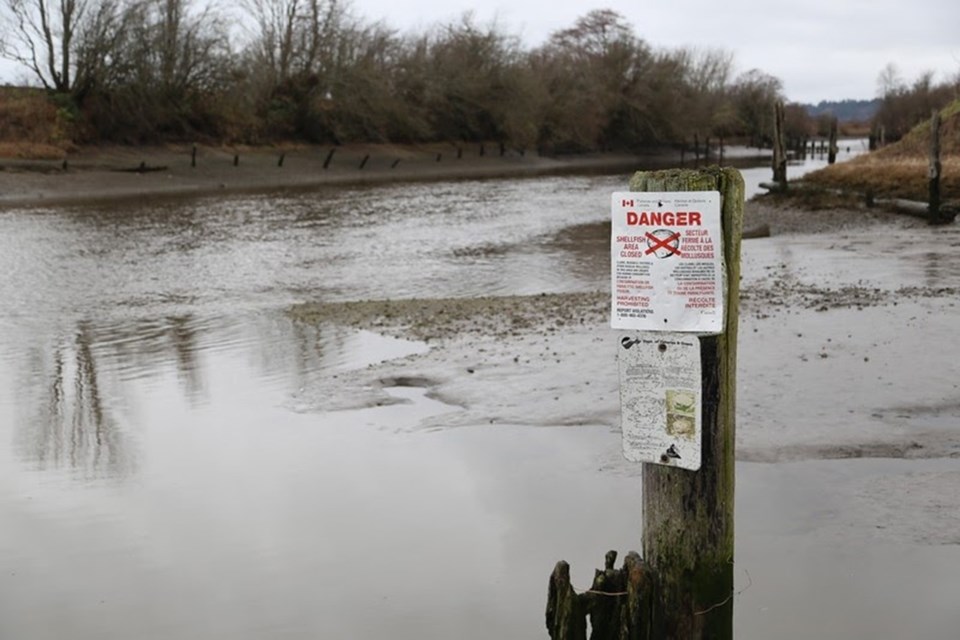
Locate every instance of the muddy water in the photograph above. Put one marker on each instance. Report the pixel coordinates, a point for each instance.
(158, 480)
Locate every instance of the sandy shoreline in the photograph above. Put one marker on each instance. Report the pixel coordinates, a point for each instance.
(110, 174)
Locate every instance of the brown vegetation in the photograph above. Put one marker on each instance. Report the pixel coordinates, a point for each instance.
(151, 71)
(31, 126)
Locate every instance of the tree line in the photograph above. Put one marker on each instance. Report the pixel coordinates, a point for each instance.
(151, 70)
(903, 104)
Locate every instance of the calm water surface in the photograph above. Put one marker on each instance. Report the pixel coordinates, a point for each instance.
(156, 480)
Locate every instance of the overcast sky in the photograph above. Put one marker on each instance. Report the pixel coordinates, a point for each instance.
(820, 49)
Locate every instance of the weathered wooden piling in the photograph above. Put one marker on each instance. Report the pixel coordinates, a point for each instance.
(395, 163)
(779, 147)
(280, 161)
(439, 157)
(618, 603)
(459, 153)
(688, 516)
(193, 157)
(326, 163)
(682, 589)
(832, 151)
(933, 176)
(363, 162)
(236, 159)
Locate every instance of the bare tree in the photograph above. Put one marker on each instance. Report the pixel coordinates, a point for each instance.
(41, 36)
(754, 94)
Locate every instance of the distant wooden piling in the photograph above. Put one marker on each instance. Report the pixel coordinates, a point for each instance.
(832, 151)
(482, 150)
(236, 159)
(696, 147)
(439, 157)
(280, 161)
(326, 162)
(395, 163)
(933, 177)
(459, 153)
(193, 157)
(779, 146)
(363, 162)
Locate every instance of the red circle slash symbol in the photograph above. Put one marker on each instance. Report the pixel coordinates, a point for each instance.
(663, 243)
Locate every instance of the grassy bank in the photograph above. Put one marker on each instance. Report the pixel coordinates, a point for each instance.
(900, 170)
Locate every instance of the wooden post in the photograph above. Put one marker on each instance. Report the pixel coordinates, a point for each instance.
(193, 157)
(439, 157)
(326, 163)
(395, 163)
(779, 148)
(236, 159)
(832, 151)
(933, 182)
(363, 162)
(280, 161)
(688, 516)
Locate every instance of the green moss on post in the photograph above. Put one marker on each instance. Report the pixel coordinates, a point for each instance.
(688, 516)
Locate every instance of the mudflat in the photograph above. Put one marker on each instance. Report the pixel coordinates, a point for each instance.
(112, 173)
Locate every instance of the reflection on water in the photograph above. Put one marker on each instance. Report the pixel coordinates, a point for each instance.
(73, 425)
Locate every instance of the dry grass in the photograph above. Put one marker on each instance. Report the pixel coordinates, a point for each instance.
(897, 177)
(31, 126)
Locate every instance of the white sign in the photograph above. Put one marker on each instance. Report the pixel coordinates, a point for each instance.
(667, 261)
(660, 397)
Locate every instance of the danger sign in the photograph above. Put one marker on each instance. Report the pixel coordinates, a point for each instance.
(667, 261)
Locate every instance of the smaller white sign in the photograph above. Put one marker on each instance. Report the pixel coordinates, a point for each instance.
(660, 398)
(667, 261)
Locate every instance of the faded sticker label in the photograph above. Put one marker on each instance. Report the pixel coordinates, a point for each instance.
(660, 398)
